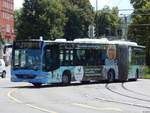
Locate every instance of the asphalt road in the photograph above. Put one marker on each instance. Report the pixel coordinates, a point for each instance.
(129, 97)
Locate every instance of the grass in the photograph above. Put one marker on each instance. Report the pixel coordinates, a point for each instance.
(147, 73)
(147, 76)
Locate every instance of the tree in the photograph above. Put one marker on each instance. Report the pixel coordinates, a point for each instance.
(17, 21)
(41, 18)
(2, 42)
(107, 22)
(80, 15)
(1, 46)
(139, 30)
(138, 3)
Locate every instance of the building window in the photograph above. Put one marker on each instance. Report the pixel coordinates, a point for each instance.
(11, 6)
(7, 28)
(12, 30)
(3, 15)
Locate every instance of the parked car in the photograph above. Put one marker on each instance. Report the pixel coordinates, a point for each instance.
(2, 69)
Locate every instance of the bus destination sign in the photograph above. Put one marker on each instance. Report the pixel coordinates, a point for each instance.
(27, 44)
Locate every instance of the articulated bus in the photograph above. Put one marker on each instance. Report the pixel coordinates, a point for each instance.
(83, 60)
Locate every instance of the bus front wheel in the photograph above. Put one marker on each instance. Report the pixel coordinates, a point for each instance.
(37, 84)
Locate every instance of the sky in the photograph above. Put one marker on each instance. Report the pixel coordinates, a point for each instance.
(122, 4)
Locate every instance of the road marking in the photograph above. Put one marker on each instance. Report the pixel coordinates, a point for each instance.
(41, 109)
(29, 105)
(48, 111)
(13, 98)
(95, 108)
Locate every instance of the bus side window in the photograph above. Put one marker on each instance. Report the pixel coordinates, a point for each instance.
(81, 57)
(71, 57)
(90, 57)
(68, 57)
(61, 57)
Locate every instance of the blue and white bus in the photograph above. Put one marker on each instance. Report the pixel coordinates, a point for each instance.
(83, 60)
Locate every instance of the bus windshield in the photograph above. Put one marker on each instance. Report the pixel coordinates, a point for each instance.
(27, 59)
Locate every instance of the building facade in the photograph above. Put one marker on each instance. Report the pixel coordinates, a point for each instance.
(7, 20)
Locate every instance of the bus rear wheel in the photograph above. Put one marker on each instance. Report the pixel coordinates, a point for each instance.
(37, 84)
(110, 76)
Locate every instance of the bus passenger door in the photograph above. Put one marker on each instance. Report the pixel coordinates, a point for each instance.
(51, 62)
(51, 59)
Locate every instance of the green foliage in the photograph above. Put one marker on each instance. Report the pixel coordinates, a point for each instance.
(41, 18)
(54, 19)
(147, 76)
(107, 22)
(147, 73)
(139, 30)
(1, 42)
(147, 70)
(17, 15)
(138, 3)
(80, 15)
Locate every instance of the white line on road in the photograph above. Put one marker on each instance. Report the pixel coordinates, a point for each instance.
(13, 98)
(95, 108)
(41, 109)
(29, 105)
(48, 111)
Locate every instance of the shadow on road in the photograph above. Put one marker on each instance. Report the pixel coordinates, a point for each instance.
(56, 85)
(61, 85)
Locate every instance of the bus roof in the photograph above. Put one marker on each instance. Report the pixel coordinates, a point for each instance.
(106, 41)
(96, 41)
(122, 42)
(93, 41)
(128, 43)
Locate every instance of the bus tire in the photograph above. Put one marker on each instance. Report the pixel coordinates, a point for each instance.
(66, 78)
(85, 82)
(110, 76)
(4, 74)
(37, 84)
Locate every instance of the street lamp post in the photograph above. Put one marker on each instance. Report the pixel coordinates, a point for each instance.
(96, 26)
(125, 27)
